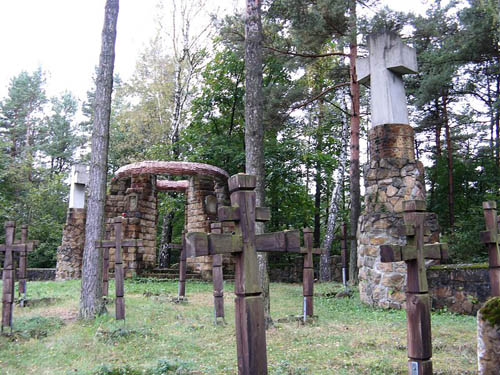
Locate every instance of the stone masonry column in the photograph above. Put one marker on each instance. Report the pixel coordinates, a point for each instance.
(69, 254)
(201, 209)
(392, 175)
(136, 198)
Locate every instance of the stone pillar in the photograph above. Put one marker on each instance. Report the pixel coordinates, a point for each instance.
(69, 254)
(201, 209)
(391, 177)
(136, 199)
(488, 337)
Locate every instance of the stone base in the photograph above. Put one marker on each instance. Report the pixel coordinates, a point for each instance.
(488, 342)
(69, 254)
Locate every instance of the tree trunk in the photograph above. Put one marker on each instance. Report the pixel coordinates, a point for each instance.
(325, 266)
(318, 180)
(91, 291)
(254, 128)
(166, 240)
(451, 203)
(354, 172)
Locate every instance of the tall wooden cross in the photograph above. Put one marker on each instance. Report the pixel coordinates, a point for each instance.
(117, 244)
(244, 244)
(491, 238)
(418, 316)
(9, 271)
(217, 278)
(308, 275)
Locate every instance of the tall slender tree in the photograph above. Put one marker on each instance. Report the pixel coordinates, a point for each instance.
(254, 128)
(91, 290)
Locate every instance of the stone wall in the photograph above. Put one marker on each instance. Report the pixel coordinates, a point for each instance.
(38, 274)
(69, 254)
(136, 199)
(391, 177)
(461, 288)
(292, 271)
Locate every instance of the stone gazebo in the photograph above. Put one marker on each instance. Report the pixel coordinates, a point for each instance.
(133, 193)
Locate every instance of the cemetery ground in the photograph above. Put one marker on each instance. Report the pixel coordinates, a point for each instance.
(163, 337)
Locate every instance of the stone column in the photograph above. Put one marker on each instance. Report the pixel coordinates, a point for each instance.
(488, 337)
(391, 177)
(201, 209)
(136, 199)
(69, 254)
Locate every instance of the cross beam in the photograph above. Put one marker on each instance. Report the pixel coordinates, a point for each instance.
(23, 252)
(249, 306)
(418, 317)
(117, 243)
(491, 239)
(308, 273)
(389, 59)
(9, 272)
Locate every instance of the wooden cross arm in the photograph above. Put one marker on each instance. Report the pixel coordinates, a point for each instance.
(436, 250)
(286, 241)
(229, 213)
(396, 253)
(349, 238)
(123, 243)
(19, 247)
(316, 250)
(489, 236)
(203, 244)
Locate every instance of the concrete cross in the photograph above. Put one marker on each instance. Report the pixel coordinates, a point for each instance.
(491, 238)
(117, 244)
(388, 60)
(9, 275)
(79, 179)
(244, 244)
(418, 316)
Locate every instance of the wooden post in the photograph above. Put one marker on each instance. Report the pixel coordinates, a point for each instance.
(182, 269)
(418, 316)
(490, 238)
(308, 275)
(8, 276)
(344, 255)
(22, 267)
(117, 243)
(119, 287)
(218, 278)
(105, 272)
(249, 305)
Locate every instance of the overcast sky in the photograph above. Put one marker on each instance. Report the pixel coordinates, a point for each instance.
(63, 37)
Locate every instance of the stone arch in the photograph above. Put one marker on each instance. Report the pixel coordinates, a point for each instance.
(134, 190)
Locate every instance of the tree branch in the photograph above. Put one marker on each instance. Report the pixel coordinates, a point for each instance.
(313, 99)
(312, 56)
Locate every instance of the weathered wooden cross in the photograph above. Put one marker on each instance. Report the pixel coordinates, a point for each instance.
(117, 244)
(418, 316)
(181, 294)
(244, 244)
(22, 263)
(9, 271)
(491, 238)
(308, 274)
(217, 278)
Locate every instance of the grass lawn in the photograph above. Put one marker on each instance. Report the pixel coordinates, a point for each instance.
(161, 337)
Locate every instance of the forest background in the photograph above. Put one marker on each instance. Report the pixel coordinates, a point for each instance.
(185, 101)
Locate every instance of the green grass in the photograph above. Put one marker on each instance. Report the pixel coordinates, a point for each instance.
(161, 337)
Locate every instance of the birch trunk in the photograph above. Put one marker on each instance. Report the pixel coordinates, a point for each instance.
(325, 270)
(91, 290)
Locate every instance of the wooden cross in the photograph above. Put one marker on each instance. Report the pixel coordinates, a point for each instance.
(491, 238)
(308, 274)
(418, 317)
(244, 244)
(217, 278)
(9, 275)
(117, 243)
(181, 294)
